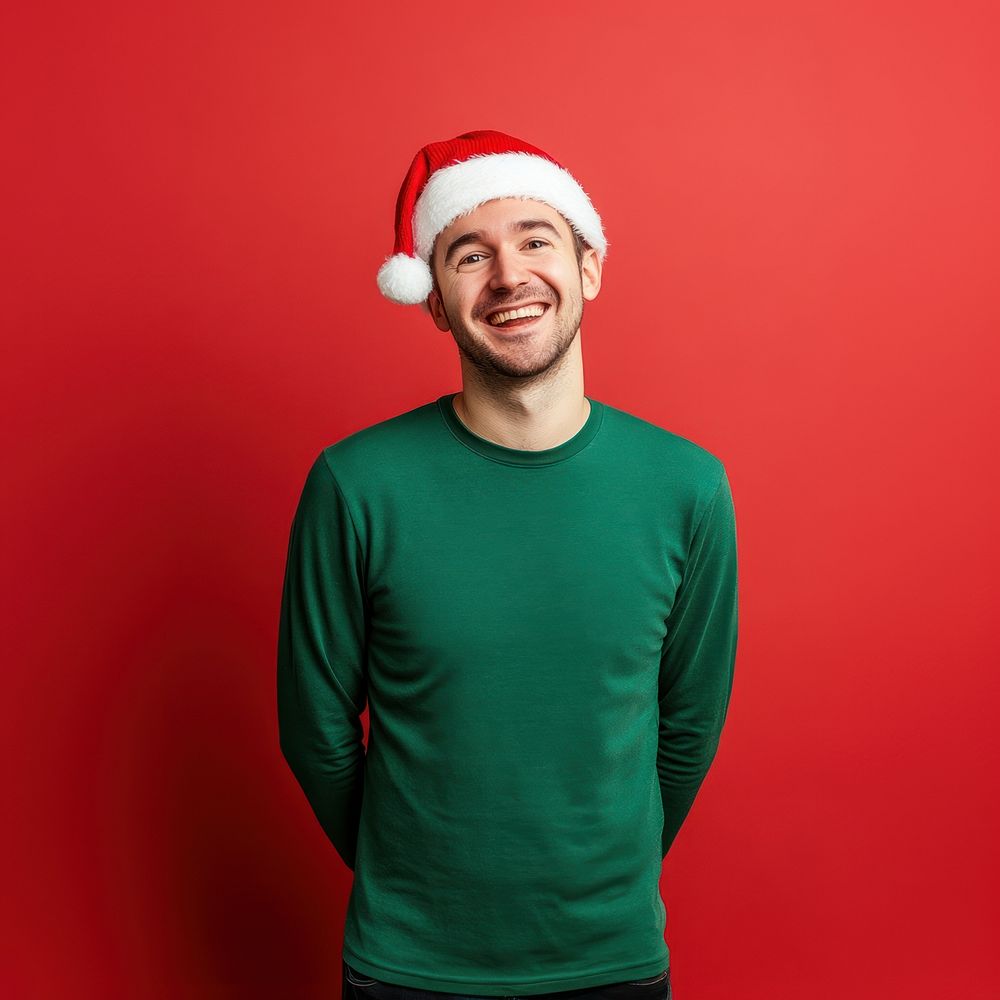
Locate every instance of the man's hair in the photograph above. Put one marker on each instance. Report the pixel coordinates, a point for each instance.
(579, 246)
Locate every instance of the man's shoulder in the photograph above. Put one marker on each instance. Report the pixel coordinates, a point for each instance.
(386, 441)
(662, 448)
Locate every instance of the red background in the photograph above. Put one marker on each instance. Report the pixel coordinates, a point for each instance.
(802, 206)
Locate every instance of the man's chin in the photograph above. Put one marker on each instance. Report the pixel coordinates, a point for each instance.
(513, 367)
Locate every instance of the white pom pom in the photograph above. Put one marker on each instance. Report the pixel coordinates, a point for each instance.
(406, 280)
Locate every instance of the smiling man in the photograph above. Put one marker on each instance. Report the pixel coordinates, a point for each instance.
(535, 594)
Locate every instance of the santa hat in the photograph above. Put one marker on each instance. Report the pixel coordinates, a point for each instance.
(451, 178)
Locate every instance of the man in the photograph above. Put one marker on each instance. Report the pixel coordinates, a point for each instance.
(536, 595)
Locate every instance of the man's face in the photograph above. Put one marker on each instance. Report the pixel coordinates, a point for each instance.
(507, 254)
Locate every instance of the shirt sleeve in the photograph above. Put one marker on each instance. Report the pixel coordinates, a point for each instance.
(322, 671)
(696, 667)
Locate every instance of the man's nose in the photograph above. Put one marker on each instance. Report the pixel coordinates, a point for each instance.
(508, 270)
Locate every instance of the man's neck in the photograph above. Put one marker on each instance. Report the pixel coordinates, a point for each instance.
(527, 424)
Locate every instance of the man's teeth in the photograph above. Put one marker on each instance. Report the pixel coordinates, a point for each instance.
(516, 314)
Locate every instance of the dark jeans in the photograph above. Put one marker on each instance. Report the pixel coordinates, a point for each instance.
(358, 986)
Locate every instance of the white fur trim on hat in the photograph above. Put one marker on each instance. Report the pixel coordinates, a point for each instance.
(458, 189)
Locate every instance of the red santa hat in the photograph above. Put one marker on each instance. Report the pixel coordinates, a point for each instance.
(451, 178)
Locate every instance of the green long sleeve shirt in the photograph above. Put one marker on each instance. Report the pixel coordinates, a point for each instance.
(545, 641)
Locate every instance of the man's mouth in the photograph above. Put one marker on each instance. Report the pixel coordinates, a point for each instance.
(510, 319)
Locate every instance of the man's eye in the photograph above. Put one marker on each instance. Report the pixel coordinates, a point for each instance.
(471, 255)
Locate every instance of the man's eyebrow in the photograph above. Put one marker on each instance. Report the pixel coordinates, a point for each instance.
(521, 226)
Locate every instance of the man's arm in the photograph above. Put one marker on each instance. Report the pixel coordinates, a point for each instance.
(696, 667)
(322, 676)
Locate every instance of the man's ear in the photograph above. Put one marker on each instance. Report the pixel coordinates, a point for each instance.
(434, 304)
(590, 273)
(436, 308)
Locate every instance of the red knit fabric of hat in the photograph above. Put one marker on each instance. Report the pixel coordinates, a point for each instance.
(442, 154)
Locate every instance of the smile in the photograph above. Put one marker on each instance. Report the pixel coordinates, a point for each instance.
(516, 318)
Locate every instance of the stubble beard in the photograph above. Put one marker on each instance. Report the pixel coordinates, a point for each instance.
(520, 361)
